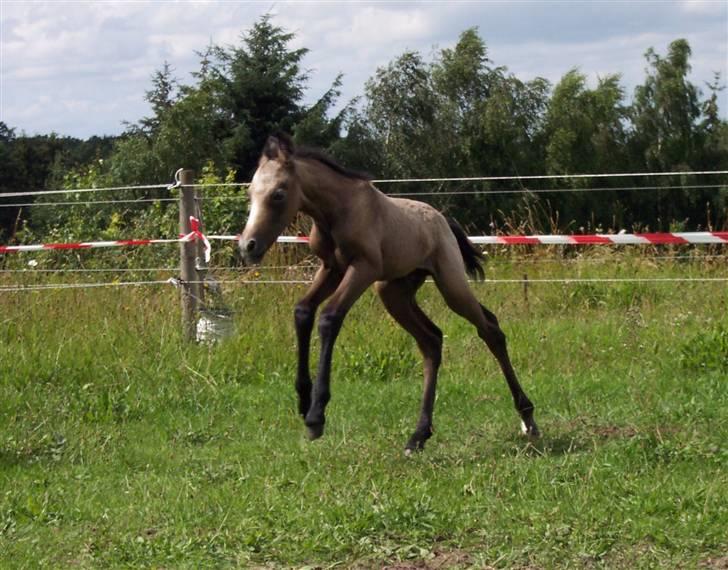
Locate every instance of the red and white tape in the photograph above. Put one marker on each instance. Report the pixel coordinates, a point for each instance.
(594, 239)
(194, 234)
(603, 239)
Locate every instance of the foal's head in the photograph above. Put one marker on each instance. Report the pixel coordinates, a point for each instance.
(275, 197)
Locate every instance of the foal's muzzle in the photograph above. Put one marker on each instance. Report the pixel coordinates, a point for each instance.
(251, 251)
(248, 246)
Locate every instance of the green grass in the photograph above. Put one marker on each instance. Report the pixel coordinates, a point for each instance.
(122, 447)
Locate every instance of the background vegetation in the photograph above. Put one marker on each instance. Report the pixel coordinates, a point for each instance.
(458, 114)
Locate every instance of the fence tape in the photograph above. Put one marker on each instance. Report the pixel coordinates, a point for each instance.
(193, 235)
(675, 238)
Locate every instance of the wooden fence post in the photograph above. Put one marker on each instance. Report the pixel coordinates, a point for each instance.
(190, 288)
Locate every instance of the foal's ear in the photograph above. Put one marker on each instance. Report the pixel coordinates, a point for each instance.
(278, 147)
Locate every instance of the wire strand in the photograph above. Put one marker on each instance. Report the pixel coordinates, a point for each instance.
(553, 190)
(378, 181)
(393, 194)
(110, 270)
(152, 269)
(517, 261)
(517, 191)
(54, 286)
(549, 177)
(309, 267)
(565, 281)
(87, 202)
(389, 181)
(501, 178)
(84, 190)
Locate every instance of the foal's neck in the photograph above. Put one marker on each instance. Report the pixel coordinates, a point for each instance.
(325, 193)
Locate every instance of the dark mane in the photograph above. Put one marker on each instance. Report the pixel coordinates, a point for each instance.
(323, 158)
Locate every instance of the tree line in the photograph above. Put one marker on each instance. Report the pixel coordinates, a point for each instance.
(457, 114)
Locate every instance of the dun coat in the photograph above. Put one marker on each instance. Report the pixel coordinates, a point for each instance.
(363, 237)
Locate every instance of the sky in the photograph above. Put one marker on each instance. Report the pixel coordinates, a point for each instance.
(81, 68)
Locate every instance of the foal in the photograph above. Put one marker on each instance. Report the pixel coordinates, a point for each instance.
(363, 237)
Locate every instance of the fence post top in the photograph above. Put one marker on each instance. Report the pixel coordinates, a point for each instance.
(184, 177)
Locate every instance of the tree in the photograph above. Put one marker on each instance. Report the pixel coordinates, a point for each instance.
(161, 98)
(668, 135)
(665, 111)
(185, 130)
(11, 175)
(262, 89)
(457, 116)
(462, 74)
(584, 127)
(401, 110)
(316, 127)
(464, 83)
(713, 131)
(511, 127)
(584, 132)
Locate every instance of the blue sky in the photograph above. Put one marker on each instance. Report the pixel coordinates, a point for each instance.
(81, 68)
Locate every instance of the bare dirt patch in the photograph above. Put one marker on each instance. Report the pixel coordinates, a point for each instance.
(440, 560)
(720, 563)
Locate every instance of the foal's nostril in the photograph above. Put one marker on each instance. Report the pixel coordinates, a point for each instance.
(250, 246)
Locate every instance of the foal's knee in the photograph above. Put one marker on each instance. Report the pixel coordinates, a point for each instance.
(303, 316)
(330, 323)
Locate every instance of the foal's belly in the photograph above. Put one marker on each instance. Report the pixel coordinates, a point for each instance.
(401, 258)
(394, 262)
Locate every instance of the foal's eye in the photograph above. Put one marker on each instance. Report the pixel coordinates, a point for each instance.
(279, 195)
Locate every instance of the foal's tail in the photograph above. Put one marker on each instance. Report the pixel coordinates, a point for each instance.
(471, 255)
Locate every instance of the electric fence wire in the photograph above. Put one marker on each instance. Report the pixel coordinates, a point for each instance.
(565, 281)
(377, 181)
(511, 261)
(497, 192)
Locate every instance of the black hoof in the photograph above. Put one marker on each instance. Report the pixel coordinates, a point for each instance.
(417, 441)
(409, 451)
(315, 431)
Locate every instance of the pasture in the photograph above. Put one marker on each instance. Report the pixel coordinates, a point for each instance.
(120, 446)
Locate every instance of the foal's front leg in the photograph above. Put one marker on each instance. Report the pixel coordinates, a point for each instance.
(358, 276)
(324, 283)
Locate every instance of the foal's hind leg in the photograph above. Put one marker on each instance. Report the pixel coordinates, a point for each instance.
(453, 285)
(399, 299)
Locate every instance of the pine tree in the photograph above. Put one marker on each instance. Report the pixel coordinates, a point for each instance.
(262, 91)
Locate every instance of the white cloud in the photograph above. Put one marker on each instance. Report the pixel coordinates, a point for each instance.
(373, 27)
(712, 7)
(82, 68)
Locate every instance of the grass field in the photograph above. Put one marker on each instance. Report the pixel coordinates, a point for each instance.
(122, 447)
